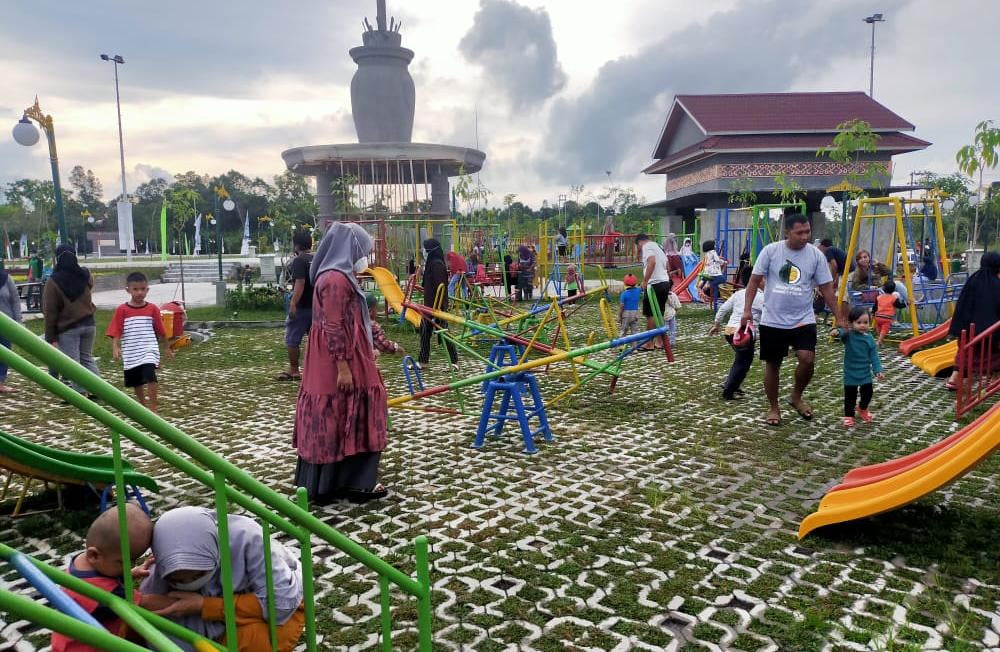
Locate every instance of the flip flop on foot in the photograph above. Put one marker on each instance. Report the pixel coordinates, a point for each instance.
(773, 420)
(362, 496)
(285, 376)
(802, 408)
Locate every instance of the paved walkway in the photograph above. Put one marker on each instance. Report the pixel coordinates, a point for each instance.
(195, 294)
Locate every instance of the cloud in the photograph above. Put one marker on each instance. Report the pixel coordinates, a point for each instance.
(514, 47)
(758, 46)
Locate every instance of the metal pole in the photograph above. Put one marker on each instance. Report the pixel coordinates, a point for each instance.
(871, 72)
(121, 149)
(50, 136)
(218, 234)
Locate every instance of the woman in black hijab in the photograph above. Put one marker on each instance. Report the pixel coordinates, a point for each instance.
(979, 304)
(435, 275)
(69, 309)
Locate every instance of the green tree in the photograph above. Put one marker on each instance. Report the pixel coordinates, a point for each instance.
(789, 190)
(984, 152)
(855, 141)
(741, 193)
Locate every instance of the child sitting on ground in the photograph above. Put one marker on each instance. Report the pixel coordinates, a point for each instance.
(860, 362)
(572, 281)
(628, 309)
(886, 303)
(670, 309)
(101, 564)
(379, 339)
(136, 330)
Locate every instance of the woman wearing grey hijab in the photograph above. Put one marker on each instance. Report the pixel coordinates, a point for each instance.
(340, 418)
(188, 567)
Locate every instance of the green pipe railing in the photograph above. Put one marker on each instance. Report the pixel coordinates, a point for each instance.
(229, 483)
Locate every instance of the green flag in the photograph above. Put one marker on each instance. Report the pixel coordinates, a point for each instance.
(187, 250)
(163, 232)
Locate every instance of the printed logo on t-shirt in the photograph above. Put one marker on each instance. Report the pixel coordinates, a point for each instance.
(790, 273)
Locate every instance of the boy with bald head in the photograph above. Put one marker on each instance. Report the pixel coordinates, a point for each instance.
(101, 564)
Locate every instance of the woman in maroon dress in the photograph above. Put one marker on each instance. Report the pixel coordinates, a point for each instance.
(340, 418)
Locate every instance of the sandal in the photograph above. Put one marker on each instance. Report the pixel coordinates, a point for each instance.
(848, 422)
(806, 412)
(359, 496)
(6, 389)
(774, 422)
(285, 376)
(951, 387)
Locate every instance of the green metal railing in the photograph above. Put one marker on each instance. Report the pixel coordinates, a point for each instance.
(231, 486)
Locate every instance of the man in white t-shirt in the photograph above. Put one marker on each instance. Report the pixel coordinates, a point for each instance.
(793, 269)
(655, 280)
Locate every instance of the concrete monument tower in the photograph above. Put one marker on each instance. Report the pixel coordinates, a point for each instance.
(384, 174)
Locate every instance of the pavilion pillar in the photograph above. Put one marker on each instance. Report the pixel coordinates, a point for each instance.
(324, 197)
(440, 198)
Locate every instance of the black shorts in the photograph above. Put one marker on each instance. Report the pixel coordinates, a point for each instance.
(144, 374)
(662, 291)
(775, 342)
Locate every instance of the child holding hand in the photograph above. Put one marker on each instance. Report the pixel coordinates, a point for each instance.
(861, 361)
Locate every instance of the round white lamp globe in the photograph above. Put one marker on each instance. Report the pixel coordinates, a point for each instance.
(25, 133)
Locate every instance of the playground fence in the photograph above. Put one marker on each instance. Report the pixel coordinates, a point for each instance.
(978, 364)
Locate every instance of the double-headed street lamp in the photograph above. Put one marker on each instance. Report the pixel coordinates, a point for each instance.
(871, 20)
(25, 133)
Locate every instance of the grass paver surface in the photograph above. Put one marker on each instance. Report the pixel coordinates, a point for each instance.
(660, 518)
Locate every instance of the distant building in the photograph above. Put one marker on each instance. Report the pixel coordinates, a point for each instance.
(708, 141)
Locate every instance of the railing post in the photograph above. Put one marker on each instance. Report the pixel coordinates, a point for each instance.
(385, 616)
(308, 592)
(272, 618)
(120, 500)
(425, 622)
(228, 599)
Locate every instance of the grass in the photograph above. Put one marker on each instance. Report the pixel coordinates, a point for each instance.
(658, 514)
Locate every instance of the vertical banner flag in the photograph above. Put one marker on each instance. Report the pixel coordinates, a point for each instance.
(163, 232)
(126, 241)
(23, 244)
(245, 245)
(187, 249)
(197, 236)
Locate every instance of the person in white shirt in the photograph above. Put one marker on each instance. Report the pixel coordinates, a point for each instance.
(655, 281)
(714, 271)
(743, 360)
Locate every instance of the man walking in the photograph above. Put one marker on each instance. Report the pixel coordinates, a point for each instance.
(300, 305)
(793, 269)
(655, 281)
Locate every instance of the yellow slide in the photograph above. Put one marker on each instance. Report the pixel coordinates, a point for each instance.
(393, 293)
(934, 361)
(915, 483)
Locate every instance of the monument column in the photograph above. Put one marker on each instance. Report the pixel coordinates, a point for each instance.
(440, 198)
(324, 197)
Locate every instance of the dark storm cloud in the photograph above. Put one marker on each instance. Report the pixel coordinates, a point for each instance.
(759, 46)
(514, 47)
(198, 48)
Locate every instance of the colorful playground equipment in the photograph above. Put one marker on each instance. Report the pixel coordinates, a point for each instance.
(869, 212)
(879, 488)
(740, 233)
(230, 486)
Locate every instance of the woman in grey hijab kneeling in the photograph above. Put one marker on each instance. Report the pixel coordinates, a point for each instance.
(189, 568)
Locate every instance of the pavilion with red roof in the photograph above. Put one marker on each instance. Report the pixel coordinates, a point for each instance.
(708, 141)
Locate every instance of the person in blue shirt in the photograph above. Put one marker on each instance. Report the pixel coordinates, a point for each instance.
(628, 310)
(860, 363)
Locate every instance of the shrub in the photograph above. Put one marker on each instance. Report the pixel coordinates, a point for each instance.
(258, 297)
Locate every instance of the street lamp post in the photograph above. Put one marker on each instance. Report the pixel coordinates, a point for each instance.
(118, 59)
(26, 134)
(227, 204)
(871, 20)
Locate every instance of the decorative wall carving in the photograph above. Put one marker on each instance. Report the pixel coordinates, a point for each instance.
(796, 169)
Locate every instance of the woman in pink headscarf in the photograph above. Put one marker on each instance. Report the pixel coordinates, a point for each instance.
(340, 419)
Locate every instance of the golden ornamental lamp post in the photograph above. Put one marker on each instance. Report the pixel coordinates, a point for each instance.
(25, 133)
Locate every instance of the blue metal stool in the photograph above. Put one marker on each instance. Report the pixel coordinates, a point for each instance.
(512, 389)
(501, 355)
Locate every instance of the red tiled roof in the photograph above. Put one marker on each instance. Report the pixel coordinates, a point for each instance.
(894, 141)
(779, 113)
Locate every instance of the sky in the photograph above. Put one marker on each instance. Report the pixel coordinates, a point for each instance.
(557, 93)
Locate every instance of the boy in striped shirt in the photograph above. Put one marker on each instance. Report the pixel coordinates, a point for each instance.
(135, 332)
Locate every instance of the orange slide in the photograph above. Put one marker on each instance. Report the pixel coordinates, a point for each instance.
(681, 289)
(879, 488)
(908, 346)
